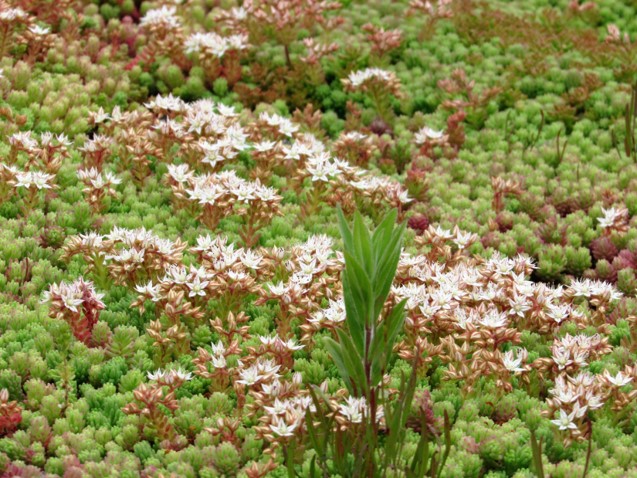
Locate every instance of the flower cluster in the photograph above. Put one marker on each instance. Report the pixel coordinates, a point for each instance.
(151, 401)
(124, 255)
(373, 79)
(383, 41)
(164, 29)
(78, 304)
(30, 180)
(98, 186)
(213, 45)
(283, 19)
(47, 152)
(464, 311)
(434, 8)
(220, 194)
(208, 136)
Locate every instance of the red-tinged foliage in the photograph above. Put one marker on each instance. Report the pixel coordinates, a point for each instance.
(455, 130)
(10, 414)
(418, 223)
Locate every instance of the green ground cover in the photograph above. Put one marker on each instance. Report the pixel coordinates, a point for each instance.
(180, 296)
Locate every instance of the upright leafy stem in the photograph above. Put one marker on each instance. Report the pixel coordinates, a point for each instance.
(362, 354)
(364, 346)
(363, 349)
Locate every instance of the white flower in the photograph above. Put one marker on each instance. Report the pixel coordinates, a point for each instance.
(297, 150)
(440, 232)
(264, 146)
(402, 196)
(426, 133)
(593, 401)
(463, 239)
(357, 78)
(353, 409)
(582, 288)
(11, 14)
(618, 380)
(24, 140)
(292, 345)
(92, 240)
(165, 16)
(272, 389)
(209, 43)
(321, 168)
(279, 407)
(580, 357)
(249, 376)
(267, 341)
(180, 374)
(335, 313)
(463, 319)
(605, 289)
(519, 304)
(564, 393)
(74, 294)
(110, 178)
(267, 367)
(559, 313)
(169, 103)
(38, 30)
(197, 287)
(204, 243)
(493, 320)
(133, 255)
(354, 136)
(582, 379)
(227, 111)
(266, 194)
(513, 364)
(237, 276)
(32, 178)
(41, 180)
(237, 42)
(611, 215)
(158, 374)
(150, 290)
(219, 361)
(561, 357)
(285, 126)
(278, 289)
(282, 429)
(72, 302)
(579, 410)
(218, 348)
(180, 173)
(170, 377)
(176, 274)
(250, 259)
(565, 421)
(239, 13)
(244, 193)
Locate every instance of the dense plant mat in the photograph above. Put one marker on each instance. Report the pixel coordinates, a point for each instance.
(304, 238)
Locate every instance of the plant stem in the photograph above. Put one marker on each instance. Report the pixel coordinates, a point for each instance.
(589, 450)
(288, 60)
